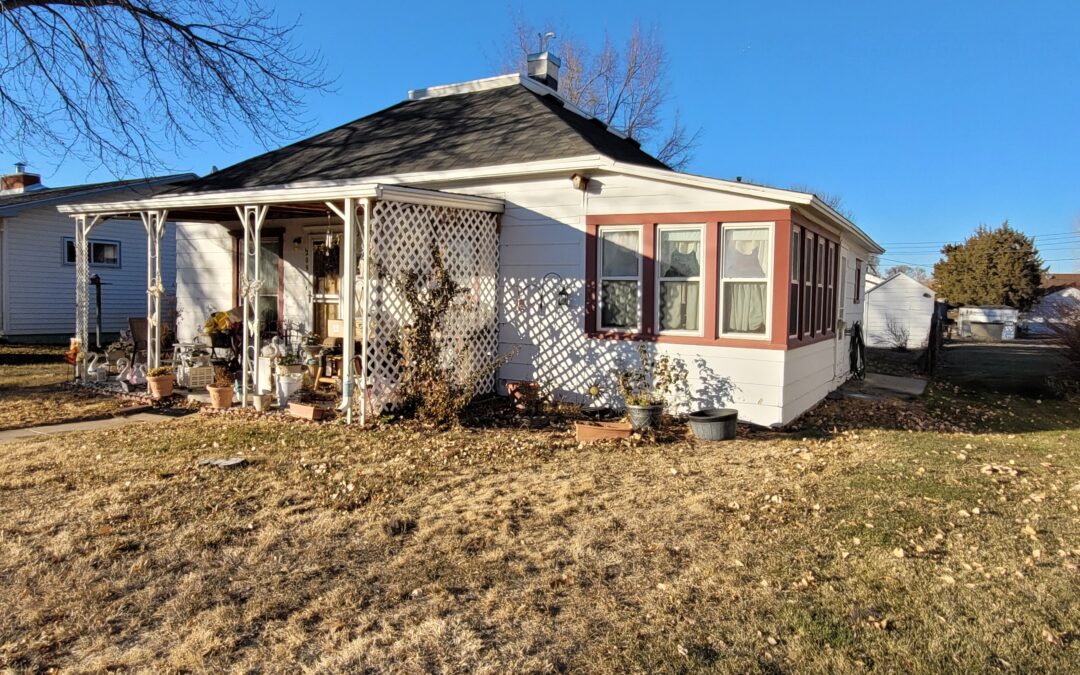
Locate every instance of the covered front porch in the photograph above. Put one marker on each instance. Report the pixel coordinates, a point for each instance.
(285, 259)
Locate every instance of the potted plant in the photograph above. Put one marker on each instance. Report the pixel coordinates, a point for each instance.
(161, 382)
(289, 363)
(221, 391)
(646, 387)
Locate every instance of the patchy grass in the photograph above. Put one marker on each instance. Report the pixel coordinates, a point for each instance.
(32, 390)
(915, 546)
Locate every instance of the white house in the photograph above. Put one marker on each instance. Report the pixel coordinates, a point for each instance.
(898, 313)
(1061, 299)
(574, 243)
(37, 256)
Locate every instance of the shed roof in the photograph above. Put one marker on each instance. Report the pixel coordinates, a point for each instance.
(499, 125)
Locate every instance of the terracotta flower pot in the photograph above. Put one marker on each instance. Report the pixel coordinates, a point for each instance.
(305, 411)
(161, 386)
(587, 432)
(220, 397)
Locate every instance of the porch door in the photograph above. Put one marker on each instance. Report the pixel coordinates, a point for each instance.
(326, 283)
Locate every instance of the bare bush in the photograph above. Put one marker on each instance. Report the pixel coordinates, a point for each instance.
(898, 334)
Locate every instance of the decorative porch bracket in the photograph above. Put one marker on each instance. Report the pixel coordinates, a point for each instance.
(83, 225)
(154, 222)
(252, 218)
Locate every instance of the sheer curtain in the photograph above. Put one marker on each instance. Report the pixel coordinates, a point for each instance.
(746, 268)
(680, 298)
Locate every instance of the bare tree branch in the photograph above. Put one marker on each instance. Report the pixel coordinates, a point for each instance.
(626, 87)
(122, 81)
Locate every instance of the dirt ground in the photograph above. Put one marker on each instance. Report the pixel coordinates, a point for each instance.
(934, 536)
(1021, 367)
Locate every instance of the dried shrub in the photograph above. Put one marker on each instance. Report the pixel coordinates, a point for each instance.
(433, 386)
(653, 380)
(1066, 328)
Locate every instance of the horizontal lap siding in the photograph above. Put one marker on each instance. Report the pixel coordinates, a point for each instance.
(41, 289)
(902, 301)
(543, 235)
(204, 274)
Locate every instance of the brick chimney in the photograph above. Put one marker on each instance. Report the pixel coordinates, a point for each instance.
(20, 181)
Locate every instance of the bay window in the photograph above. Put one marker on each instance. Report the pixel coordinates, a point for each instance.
(619, 265)
(744, 280)
(678, 269)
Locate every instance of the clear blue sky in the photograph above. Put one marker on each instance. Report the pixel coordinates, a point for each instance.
(928, 118)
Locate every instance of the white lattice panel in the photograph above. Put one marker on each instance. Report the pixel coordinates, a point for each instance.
(402, 236)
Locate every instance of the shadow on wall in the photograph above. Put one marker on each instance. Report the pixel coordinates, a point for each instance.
(545, 316)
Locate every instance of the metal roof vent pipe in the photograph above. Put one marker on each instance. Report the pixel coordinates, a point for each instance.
(543, 66)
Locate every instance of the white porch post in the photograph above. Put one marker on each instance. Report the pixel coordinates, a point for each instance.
(348, 301)
(365, 330)
(252, 218)
(83, 225)
(154, 223)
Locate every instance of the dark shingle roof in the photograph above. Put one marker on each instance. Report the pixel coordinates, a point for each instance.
(504, 125)
(11, 204)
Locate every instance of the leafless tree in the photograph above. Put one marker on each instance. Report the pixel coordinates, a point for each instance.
(119, 81)
(626, 86)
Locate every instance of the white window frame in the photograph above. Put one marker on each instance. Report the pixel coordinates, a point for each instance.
(700, 279)
(600, 278)
(769, 280)
(90, 253)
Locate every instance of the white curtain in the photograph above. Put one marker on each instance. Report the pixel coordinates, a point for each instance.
(746, 304)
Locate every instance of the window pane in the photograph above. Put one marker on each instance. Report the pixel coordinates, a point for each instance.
(268, 272)
(745, 305)
(619, 253)
(795, 255)
(104, 254)
(680, 253)
(793, 310)
(746, 253)
(619, 304)
(69, 251)
(679, 305)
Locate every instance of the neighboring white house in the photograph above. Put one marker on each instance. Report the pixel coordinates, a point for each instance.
(1061, 300)
(599, 247)
(37, 257)
(898, 313)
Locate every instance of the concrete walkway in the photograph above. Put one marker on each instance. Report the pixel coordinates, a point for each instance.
(91, 425)
(879, 387)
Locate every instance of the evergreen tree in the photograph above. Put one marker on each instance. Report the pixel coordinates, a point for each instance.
(992, 267)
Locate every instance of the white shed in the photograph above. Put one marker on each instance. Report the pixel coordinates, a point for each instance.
(898, 313)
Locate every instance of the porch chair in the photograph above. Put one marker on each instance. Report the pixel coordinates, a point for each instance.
(140, 333)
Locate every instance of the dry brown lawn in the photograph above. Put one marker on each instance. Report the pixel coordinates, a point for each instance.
(405, 550)
(32, 390)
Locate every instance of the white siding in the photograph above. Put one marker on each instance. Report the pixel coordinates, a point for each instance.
(204, 275)
(40, 288)
(905, 304)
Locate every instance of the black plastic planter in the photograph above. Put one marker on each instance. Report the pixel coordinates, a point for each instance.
(714, 424)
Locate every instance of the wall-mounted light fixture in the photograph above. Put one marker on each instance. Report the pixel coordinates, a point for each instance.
(297, 243)
(580, 182)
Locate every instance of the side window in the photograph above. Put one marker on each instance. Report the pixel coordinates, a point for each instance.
(103, 253)
(678, 270)
(619, 278)
(859, 281)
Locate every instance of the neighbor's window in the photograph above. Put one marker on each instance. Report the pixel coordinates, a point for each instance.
(678, 271)
(102, 253)
(619, 250)
(744, 284)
